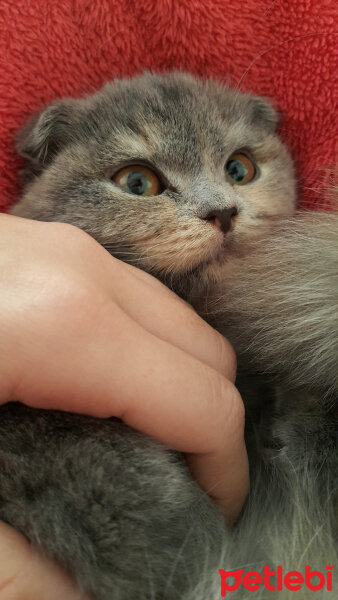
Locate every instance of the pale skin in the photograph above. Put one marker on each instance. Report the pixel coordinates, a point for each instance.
(135, 350)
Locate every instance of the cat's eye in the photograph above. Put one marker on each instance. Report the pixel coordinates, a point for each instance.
(239, 169)
(138, 179)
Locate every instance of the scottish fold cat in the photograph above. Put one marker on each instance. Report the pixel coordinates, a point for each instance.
(188, 180)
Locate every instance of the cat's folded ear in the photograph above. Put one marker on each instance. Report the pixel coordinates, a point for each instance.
(47, 132)
(263, 114)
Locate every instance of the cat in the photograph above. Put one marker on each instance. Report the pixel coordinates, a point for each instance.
(188, 180)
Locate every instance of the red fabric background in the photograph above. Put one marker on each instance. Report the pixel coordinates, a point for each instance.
(285, 49)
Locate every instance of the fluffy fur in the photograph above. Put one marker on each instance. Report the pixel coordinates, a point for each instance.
(278, 303)
(270, 284)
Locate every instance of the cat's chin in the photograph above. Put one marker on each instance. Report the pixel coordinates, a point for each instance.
(219, 265)
(212, 268)
(208, 260)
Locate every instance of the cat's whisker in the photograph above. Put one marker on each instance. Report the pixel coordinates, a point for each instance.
(177, 559)
(288, 41)
(150, 577)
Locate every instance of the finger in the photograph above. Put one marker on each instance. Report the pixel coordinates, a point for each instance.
(156, 388)
(167, 316)
(25, 575)
(146, 300)
(205, 419)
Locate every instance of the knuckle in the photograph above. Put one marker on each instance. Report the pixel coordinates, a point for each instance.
(70, 235)
(60, 228)
(67, 300)
(79, 304)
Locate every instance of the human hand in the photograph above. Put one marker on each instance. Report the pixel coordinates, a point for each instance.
(25, 575)
(86, 333)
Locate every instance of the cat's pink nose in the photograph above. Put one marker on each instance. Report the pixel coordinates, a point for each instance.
(221, 218)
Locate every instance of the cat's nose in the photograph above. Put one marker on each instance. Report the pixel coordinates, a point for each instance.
(221, 218)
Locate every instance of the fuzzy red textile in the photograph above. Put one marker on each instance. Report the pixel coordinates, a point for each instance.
(284, 49)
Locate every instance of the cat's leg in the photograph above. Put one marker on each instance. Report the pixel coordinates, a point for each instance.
(119, 511)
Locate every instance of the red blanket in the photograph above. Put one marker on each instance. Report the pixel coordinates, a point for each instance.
(284, 49)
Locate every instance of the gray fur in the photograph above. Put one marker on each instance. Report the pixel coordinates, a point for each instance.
(117, 510)
(114, 508)
(287, 283)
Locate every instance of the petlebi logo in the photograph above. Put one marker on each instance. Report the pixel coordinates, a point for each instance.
(275, 580)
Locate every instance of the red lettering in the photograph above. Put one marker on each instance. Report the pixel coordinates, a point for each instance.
(279, 578)
(308, 576)
(267, 574)
(225, 586)
(329, 577)
(252, 580)
(293, 580)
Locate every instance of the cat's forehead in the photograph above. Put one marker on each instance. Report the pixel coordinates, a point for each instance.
(177, 118)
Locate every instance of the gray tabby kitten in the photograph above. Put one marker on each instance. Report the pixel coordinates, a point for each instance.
(189, 181)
